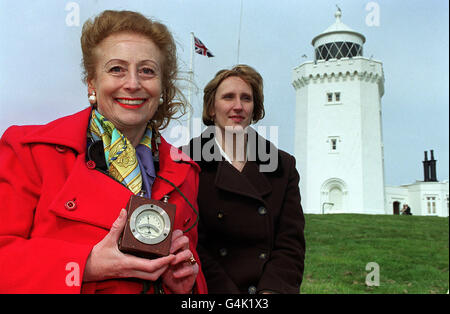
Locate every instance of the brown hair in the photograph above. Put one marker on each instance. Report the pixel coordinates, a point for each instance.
(246, 73)
(111, 22)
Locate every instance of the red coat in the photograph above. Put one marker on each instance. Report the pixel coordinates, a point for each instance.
(44, 244)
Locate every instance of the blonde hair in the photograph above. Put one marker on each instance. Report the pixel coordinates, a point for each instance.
(110, 22)
(247, 74)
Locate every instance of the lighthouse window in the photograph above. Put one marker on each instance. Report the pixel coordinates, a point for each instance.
(333, 98)
(330, 97)
(333, 144)
(345, 49)
(338, 50)
(337, 97)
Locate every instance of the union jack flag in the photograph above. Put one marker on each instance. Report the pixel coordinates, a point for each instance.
(200, 48)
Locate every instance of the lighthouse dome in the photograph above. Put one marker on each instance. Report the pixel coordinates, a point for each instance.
(338, 41)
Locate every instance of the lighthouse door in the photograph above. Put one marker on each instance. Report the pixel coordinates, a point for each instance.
(336, 198)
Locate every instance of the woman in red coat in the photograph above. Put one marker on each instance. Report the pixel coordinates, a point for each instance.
(64, 185)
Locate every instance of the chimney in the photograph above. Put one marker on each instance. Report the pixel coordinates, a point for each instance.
(432, 168)
(426, 166)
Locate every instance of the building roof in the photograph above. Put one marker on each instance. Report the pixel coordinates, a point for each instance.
(338, 28)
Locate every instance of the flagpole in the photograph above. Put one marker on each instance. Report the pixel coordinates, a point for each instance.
(190, 84)
(239, 35)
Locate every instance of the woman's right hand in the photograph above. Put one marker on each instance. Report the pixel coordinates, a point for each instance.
(106, 261)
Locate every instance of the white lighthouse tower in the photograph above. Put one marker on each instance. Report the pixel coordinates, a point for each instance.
(338, 138)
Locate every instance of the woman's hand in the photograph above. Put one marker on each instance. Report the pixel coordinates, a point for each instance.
(181, 274)
(107, 262)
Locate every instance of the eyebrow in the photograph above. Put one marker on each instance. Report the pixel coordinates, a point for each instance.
(234, 93)
(139, 63)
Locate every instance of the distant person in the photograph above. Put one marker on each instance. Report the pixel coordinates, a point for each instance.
(251, 228)
(64, 185)
(406, 210)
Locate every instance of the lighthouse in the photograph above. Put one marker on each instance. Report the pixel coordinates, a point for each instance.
(338, 132)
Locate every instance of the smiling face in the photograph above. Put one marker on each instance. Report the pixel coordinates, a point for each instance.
(127, 80)
(233, 104)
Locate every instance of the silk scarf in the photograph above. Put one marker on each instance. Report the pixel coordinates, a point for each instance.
(120, 155)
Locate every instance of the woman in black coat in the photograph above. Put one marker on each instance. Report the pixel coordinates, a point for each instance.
(251, 224)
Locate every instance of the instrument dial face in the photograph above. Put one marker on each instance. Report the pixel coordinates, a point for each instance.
(150, 224)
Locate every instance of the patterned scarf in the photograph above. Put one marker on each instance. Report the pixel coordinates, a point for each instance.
(120, 155)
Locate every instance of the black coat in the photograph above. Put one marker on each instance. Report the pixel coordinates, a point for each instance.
(251, 222)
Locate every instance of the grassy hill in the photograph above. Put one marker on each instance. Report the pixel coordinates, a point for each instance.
(412, 253)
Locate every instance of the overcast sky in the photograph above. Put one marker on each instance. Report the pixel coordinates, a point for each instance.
(40, 57)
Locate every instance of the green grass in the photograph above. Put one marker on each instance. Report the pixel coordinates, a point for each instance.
(412, 253)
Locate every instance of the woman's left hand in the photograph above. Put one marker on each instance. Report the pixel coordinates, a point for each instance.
(181, 274)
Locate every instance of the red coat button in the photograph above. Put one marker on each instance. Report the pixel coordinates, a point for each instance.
(70, 205)
(90, 164)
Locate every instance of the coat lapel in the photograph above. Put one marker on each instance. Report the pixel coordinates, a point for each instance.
(250, 182)
(173, 166)
(258, 180)
(84, 187)
(98, 198)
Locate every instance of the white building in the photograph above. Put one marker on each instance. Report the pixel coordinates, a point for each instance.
(338, 135)
(425, 198)
(338, 142)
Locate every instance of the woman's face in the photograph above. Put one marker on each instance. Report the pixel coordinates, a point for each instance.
(233, 103)
(127, 80)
